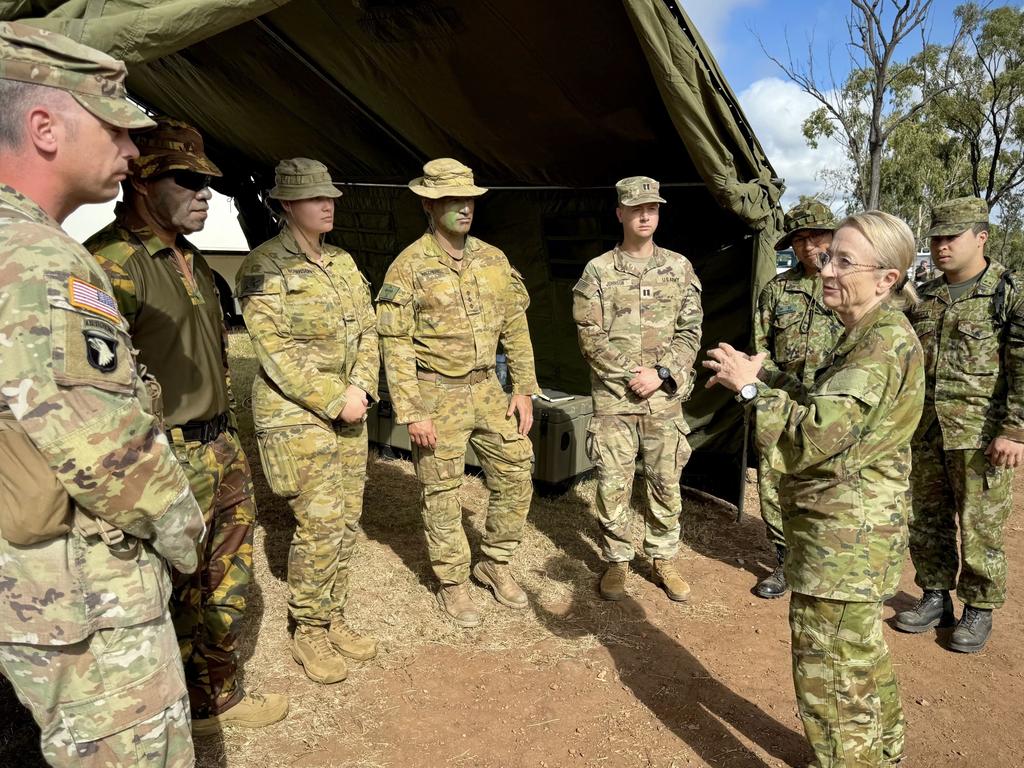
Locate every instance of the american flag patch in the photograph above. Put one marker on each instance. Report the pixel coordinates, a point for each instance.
(88, 297)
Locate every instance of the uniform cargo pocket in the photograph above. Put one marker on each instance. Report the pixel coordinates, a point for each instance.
(279, 465)
(592, 444)
(683, 450)
(979, 347)
(34, 507)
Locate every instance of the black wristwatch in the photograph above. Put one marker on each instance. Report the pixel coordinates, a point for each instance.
(747, 393)
(663, 373)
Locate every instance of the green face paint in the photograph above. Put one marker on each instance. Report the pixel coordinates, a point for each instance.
(454, 215)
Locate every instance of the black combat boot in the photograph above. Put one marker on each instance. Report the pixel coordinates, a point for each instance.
(934, 609)
(774, 584)
(972, 632)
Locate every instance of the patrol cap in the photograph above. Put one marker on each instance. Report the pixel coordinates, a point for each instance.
(809, 214)
(637, 190)
(299, 178)
(952, 217)
(94, 79)
(173, 145)
(445, 177)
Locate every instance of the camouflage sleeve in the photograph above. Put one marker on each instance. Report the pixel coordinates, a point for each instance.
(122, 281)
(261, 289)
(81, 411)
(763, 325)
(366, 372)
(796, 435)
(395, 325)
(605, 359)
(515, 338)
(1013, 357)
(682, 351)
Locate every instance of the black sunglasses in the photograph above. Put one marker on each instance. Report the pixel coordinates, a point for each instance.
(190, 180)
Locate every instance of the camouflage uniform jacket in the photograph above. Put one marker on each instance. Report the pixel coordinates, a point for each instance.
(974, 359)
(69, 379)
(631, 314)
(844, 450)
(313, 330)
(177, 326)
(435, 316)
(794, 326)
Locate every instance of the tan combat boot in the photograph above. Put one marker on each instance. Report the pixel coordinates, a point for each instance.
(350, 643)
(666, 576)
(319, 658)
(613, 583)
(454, 600)
(498, 576)
(254, 710)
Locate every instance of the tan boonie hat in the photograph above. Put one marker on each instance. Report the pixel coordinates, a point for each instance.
(952, 217)
(810, 214)
(94, 79)
(445, 177)
(638, 190)
(172, 146)
(300, 178)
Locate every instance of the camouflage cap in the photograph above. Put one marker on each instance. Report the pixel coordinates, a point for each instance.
(952, 217)
(92, 78)
(300, 178)
(172, 146)
(445, 177)
(637, 190)
(809, 214)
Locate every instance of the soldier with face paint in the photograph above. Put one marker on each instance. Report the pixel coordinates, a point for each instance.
(638, 312)
(446, 303)
(92, 500)
(797, 332)
(165, 290)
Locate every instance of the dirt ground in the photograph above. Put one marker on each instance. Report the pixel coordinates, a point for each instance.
(574, 680)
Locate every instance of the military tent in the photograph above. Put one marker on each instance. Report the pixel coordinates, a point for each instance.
(550, 101)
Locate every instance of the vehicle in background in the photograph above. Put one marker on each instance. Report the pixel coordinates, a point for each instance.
(784, 260)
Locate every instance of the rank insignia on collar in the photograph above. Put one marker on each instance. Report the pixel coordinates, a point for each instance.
(646, 293)
(100, 350)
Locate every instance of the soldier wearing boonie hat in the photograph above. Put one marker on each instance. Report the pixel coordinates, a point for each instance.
(95, 657)
(971, 434)
(798, 333)
(166, 290)
(638, 315)
(445, 301)
(310, 317)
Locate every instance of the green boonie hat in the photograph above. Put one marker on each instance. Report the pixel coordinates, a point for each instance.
(300, 178)
(637, 190)
(952, 217)
(94, 79)
(172, 145)
(810, 214)
(445, 177)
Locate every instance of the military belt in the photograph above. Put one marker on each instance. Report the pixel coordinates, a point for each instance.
(199, 431)
(473, 377)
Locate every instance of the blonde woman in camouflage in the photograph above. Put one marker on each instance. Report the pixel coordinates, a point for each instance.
(308, 311)
(843, 449)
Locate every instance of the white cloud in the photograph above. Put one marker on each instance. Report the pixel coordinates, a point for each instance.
(776, 109)
(711, 16)
(220, 233)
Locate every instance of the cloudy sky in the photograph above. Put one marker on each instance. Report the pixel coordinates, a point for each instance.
(775, 107)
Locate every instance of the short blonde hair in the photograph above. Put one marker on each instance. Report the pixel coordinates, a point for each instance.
(894, 246)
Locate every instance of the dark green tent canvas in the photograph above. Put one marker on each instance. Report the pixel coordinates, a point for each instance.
(549, 101)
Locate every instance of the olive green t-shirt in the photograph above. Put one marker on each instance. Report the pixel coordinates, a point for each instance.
(177, 328)
(956, 290)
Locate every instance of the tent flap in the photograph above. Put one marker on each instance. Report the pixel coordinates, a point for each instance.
(138, 30)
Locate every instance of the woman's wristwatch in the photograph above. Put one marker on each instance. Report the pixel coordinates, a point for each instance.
(748, 393)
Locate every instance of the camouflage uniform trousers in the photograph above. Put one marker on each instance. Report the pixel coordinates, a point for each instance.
(323, 473)
(115, 699)
(771, 510)
(473, 413)
(208, 606)
(613, 442)
(846, 689)
(951, 487)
